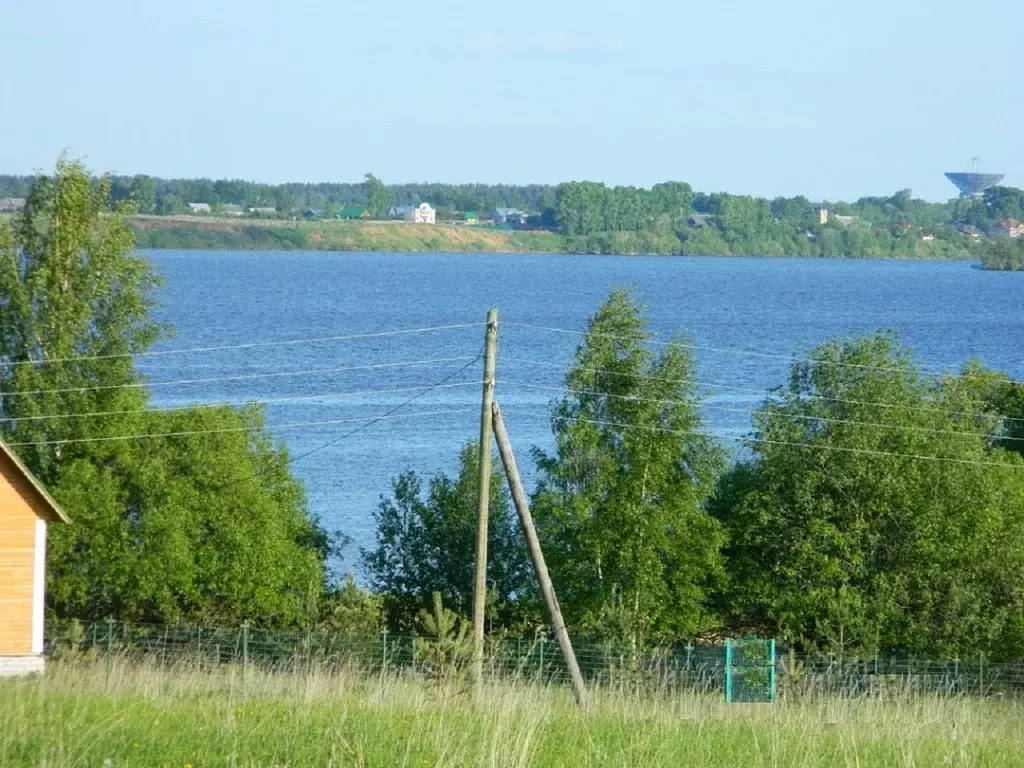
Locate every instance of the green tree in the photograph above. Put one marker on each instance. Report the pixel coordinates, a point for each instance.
(427, 543)
(352, 611)
(207, 524)
(169, 205)
(444, 645)
(377, 196)
(1002, 253)
(621, 503)
(144, 193)
(842, 536)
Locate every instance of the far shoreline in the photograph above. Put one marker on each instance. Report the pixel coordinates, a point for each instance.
(221, 234)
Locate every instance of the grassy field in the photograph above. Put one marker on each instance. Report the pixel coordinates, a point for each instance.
(208, 232)
(146, 716)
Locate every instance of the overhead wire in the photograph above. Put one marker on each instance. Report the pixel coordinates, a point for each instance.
(387, 414)
(192, 432)
(235, 377)
(714, 384)
(230, 403)
(753, 353)
(801, 417)
(244, 345)
(795, 444)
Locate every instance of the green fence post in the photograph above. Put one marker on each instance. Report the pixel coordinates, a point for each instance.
(384, 648)
(245, 648)
(771, 671)
(199, 646)
(728, 670)
(540, 665)
(110, 645)
(956, 673)
(981, 673)
(95, 632)
(689, 655)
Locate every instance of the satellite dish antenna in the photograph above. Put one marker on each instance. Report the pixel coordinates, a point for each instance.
(973, 183)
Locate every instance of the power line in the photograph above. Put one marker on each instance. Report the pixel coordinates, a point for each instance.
(231, 403)
(762, 392)
(192, 432)
(387, 414)
(751, 353)
(794, 444)
(238, 377)
(801, 417)
(247, 345)
(398, 407)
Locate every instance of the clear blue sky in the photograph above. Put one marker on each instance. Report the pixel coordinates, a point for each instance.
(828, 99)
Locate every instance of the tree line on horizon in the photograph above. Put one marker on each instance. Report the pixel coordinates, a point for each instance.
(874, 507)
(668, 218)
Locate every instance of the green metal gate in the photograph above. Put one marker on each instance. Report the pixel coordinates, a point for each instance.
(749, 670)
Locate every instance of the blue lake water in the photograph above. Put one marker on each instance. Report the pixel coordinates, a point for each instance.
(946, 311)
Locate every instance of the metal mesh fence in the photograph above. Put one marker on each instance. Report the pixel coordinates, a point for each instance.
(697, 668)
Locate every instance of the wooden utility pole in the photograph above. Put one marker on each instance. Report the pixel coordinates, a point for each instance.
(480, 584)
(515, 485)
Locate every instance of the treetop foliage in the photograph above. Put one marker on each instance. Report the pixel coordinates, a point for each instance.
(193, 527)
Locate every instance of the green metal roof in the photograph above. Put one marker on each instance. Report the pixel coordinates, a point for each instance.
(352, 212)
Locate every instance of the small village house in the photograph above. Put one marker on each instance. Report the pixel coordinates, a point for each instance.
(352, 212)
(509, 216)
(263, 211)
(822, 213)
(419, 213)
(845, 221)
(1010, 228)
(230, 209)
(12, 204)
(200, 207)
(968, 229)
(25, 511)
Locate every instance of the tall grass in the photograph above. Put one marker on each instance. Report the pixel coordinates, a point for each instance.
(84, 713)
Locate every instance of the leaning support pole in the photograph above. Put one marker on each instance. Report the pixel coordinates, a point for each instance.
(515, 485)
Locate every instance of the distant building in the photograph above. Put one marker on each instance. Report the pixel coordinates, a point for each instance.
(263, 211)
(845, 221)
(699, 220)
(200, 207)
(509, 216)
(1010, 228)
(420, 213)
(352, 212)
(927, 237)
(229, 209)
(312, 213)
(470, 217)
(12, 204)
(968, 229)
(822, 214)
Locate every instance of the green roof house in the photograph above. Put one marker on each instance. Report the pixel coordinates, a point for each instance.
(352, 212)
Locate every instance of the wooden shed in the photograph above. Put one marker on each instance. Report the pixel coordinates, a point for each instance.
(25, 510)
